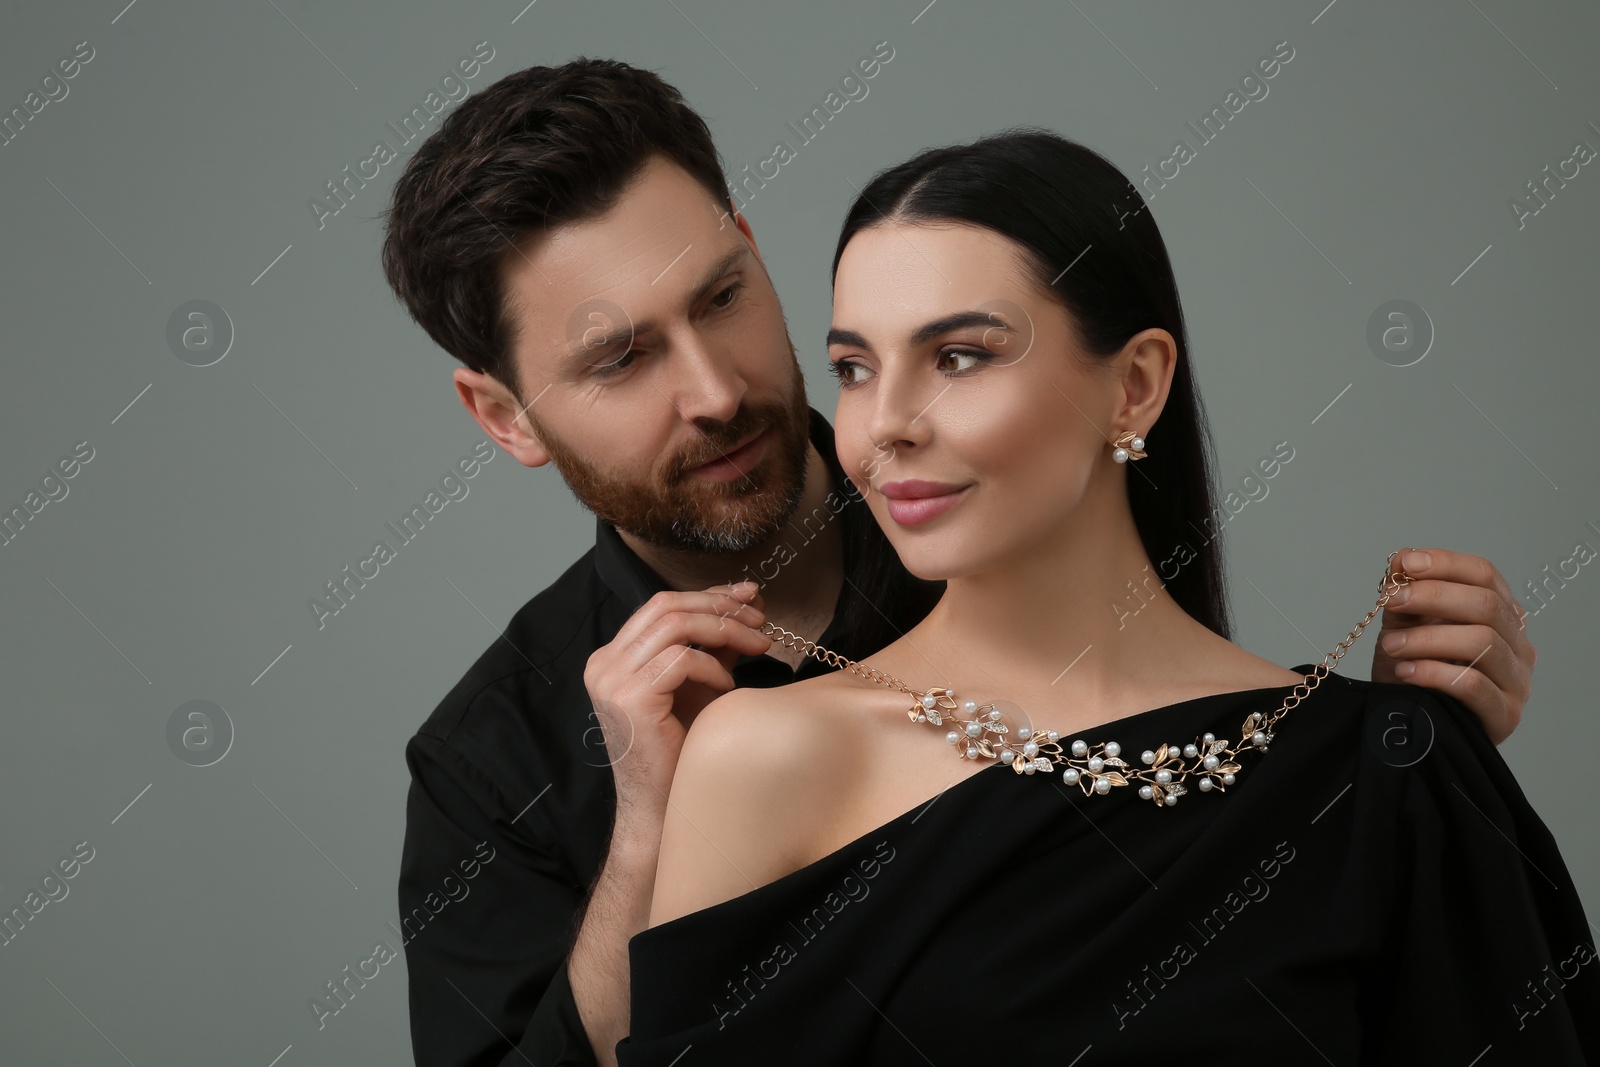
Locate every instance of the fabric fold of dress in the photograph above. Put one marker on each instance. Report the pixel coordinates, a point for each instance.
(1373, 888)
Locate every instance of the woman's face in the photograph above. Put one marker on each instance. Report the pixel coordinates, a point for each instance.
(967, 414)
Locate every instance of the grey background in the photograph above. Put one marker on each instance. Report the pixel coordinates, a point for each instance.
(179, 567)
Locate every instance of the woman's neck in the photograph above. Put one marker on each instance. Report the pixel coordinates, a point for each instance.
(1082, 622)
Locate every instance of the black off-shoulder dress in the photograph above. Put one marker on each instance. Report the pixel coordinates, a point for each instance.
(1374, 888)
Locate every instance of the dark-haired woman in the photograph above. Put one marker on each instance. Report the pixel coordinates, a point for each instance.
(1052, 821)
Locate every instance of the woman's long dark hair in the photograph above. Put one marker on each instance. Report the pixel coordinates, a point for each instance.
(1090, 242)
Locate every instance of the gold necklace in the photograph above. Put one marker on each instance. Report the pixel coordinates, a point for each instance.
(1098, 768)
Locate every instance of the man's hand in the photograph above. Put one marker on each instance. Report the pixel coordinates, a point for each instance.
(1458, 629)
(668, 661)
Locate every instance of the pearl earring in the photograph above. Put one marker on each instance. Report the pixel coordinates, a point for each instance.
(1129, 446)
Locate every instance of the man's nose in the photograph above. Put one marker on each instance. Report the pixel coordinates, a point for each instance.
(710, 386)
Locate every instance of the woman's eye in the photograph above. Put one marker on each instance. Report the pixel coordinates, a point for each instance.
(959, 354)
(844, 370)
(963, 360)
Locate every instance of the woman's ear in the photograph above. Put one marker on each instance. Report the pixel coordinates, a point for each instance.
(1150, 358)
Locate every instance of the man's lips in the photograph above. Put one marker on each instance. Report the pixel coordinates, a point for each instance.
(735, 462)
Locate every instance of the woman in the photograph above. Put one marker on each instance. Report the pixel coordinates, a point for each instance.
(837, 886)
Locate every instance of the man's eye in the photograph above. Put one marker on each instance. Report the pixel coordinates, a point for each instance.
(615, 366)
(725, 298)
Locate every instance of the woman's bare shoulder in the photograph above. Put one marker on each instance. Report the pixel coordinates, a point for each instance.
(749, 795)
(1229, 667)
(790, 722)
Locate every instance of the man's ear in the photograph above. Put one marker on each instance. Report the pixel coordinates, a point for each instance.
(744, 227)
(495, 408)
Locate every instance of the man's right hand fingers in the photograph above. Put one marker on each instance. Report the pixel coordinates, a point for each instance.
(673, 667)
(695, 628)
(718, 603)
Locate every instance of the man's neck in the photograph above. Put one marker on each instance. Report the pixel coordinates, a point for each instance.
(800, 569)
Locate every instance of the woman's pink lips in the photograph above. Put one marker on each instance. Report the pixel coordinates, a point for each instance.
(918, 510)
(735, 464)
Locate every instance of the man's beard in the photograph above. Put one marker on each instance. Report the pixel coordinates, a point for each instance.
(680, 511)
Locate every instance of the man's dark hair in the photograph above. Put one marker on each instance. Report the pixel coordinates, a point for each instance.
(537, 149)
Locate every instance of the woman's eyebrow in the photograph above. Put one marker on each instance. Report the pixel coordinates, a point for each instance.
(931, 330)
(956, 322)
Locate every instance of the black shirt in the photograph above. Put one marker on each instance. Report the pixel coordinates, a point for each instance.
(512, 800)
(1374, 889)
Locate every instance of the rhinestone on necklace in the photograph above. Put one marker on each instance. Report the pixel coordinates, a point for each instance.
(979, 730)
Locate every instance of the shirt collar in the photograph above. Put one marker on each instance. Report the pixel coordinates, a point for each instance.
(633, 581)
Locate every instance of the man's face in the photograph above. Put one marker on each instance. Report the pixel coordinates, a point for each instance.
(657, 370)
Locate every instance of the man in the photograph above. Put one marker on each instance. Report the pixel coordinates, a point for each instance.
(568, 236)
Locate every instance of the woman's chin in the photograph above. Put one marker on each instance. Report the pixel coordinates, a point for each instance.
(935, 564)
